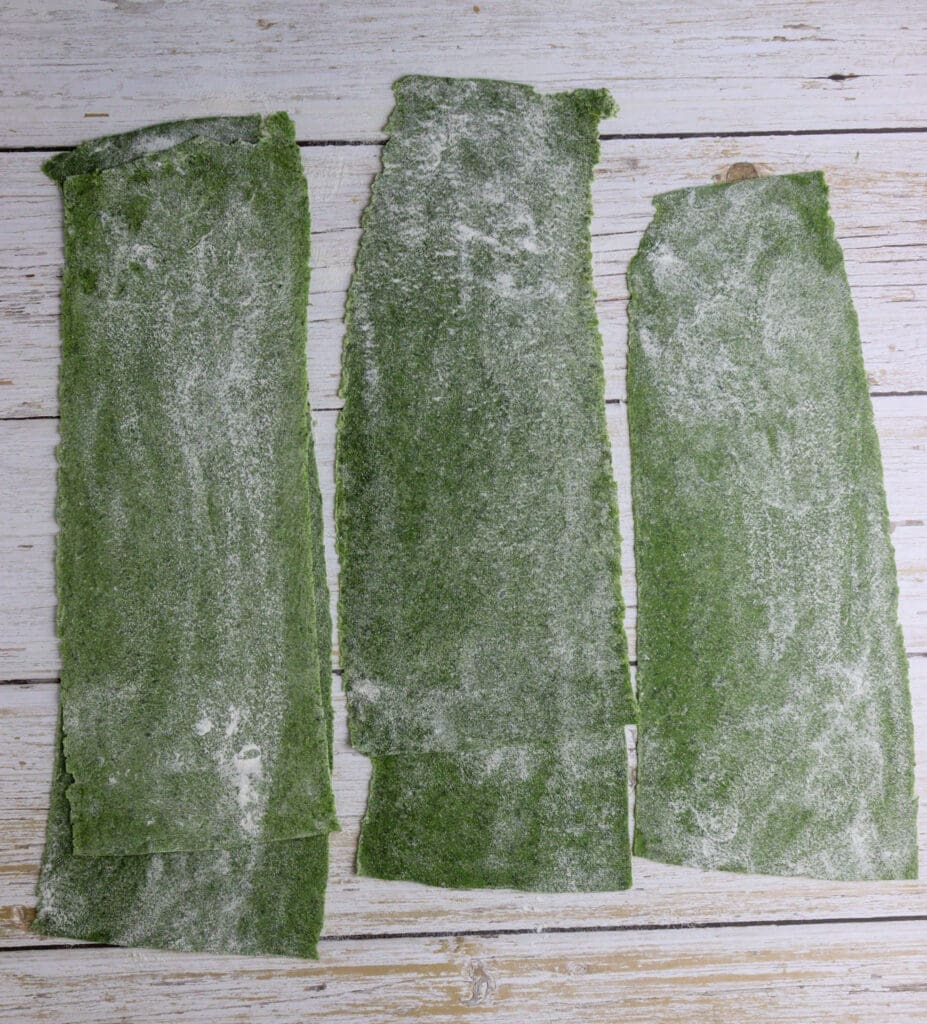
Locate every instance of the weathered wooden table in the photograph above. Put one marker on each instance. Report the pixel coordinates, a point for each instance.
(786, 86)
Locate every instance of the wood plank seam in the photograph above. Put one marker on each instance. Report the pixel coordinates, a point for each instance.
(605, 137)
(541, 930)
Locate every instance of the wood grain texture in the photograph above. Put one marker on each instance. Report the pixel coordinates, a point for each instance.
(788, 975)
(68, 67)
(662, 894)
(877, 196)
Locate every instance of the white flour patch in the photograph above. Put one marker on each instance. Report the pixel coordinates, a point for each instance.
(234, 721)
(248, 775)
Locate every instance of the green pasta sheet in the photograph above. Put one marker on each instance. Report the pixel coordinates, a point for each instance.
(539, 818)
(476, 509)
(257, 898)
(251, 898)
(776, 732)
(191, 715)
(254, 898)
(485, 661)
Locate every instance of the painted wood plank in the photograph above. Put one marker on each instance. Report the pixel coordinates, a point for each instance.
(789, 975)
(69, 67)
(877, 189)
(662, 894)
(28, 648)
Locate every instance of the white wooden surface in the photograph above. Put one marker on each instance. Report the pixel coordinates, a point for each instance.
(686, 75)
(673, 66)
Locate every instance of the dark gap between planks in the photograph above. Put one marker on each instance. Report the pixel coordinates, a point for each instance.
(608, 137)
(492, 933)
